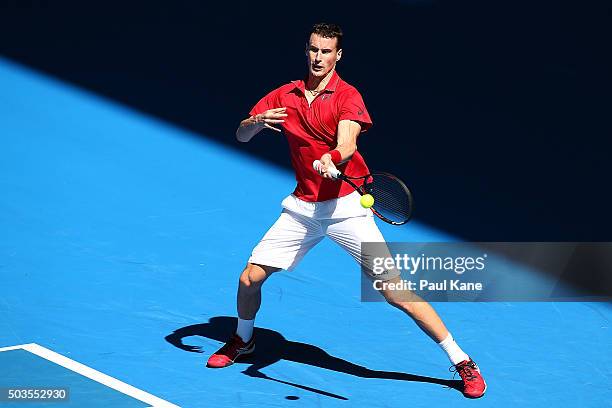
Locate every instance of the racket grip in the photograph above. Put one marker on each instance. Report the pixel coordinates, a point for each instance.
(335, 173)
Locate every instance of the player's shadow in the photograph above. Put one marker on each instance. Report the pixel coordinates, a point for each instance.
(271, 347)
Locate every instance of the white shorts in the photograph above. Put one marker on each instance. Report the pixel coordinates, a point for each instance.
(294, 234)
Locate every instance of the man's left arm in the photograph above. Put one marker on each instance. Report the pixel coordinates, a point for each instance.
(348, 130)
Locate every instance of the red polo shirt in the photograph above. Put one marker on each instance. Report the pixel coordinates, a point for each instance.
(312, 130)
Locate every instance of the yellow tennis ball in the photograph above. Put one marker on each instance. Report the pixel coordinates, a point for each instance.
(367, 200)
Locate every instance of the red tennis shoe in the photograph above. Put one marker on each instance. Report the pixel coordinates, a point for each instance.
(233, 349)
(474, 386)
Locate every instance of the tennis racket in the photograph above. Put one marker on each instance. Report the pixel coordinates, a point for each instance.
(393, 201)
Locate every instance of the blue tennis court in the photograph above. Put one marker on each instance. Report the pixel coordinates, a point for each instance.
(120, 252)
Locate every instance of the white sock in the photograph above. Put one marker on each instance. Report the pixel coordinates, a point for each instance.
(245, 329)
(452, 350)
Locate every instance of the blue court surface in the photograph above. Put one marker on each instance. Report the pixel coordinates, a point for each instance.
(121, 241)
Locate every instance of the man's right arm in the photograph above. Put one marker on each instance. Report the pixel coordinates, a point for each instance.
(254, 124)
(248, 128)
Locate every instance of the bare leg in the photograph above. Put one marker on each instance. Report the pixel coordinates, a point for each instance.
(419, 310)
(474, 386)
(249, 289)
(249, 300)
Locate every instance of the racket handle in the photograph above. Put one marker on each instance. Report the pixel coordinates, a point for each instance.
(335, 173)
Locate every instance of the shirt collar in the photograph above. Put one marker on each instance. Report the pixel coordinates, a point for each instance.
(330, 87)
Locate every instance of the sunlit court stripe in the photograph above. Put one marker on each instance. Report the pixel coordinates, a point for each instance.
(92, 374)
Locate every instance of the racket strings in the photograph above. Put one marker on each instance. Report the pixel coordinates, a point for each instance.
(391, 197)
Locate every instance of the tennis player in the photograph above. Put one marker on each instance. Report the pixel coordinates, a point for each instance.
(322, 116)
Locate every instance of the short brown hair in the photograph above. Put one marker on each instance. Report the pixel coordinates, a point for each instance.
(327, 30)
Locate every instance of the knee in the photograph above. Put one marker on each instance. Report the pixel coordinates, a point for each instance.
(406, 307)
(405, 301)
(252, 277)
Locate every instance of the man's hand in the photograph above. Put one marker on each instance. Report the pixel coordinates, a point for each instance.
(326, 166)
(255, 124)
(271, 117)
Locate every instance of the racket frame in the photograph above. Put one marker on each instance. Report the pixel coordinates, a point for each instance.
(363, 190)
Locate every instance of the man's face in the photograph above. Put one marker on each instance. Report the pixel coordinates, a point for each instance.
(322, 55)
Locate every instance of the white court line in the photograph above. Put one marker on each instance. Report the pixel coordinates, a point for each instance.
(95, 375)
(12, 348)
